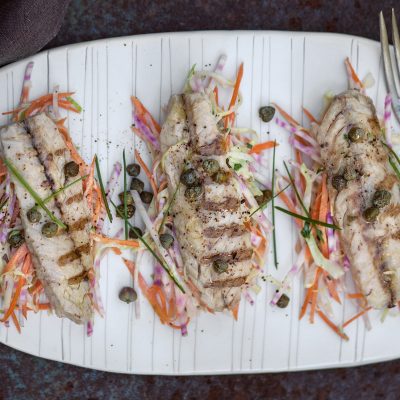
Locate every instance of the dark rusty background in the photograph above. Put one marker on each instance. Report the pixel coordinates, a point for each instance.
(26, 377)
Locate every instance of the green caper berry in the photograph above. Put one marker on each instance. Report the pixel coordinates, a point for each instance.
(381, 198)
(210, 166)
(350, 174)
(283, 301)
(371, 214)
(338, 182)
(50, 229)
(137, 184)
(15, 239)
(130, 211)
(34, 215)
(127, 295)
(221, 176)
(146, 197)
(190, 178)
(135, 233)
(129, 198)
(220, 266)
(266, 113)
(71, 169)
(133, 169)
(192, 193)
(356, 135)
(166, 240)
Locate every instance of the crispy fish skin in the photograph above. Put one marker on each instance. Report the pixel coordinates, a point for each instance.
(54, 155)
(68, 300)
(372, 247)
(211, 228)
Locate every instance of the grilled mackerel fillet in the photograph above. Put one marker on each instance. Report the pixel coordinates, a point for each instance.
(57, 263)
(212, 227)
(371, 244)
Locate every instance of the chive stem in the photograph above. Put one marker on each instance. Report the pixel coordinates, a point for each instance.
(263, 205)
(103, 193)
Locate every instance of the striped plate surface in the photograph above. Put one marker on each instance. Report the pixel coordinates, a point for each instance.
(293, 70)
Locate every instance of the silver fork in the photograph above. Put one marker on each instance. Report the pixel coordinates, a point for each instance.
(387, 60)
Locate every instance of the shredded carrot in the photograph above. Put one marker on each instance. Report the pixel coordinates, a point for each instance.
(142, 110)
(349, 321)
(216, 95)
(74, 153)
(354, 295)
(235, 95)
(16, 258)
(314, 294)
(288, 118)
(119, 242)
(309, 115)
(16, 323)
(147, 172)
(235, 312)
(334, 327)
(259, 147)
(353, 73)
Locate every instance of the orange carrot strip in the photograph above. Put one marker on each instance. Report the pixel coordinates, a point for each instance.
(44, 306)
(142, 110)
(16, 258)
(120, 242)
(235, 311)
(74, 153)
(335, 328)
(331, 284)
(234, 95)
(147, 172)
(305, 303)
(353, 73)
(314, 296)
(216, 95)
(16, 323)
(349, 321)
(259, 147)
(309, 115)
(288, 118)
(354, 295)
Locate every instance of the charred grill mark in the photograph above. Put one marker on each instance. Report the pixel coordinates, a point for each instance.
(233, 230)
(387, 183)
(84, 249)
(238, 255)
(74, 199)
(75, 280)
(79, 225)
(68, 258)
(230, 204)
(232, 282)
(59, 152)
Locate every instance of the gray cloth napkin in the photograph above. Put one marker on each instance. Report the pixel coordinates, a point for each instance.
(28, 25)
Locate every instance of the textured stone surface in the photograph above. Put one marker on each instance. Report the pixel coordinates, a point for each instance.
(26, 377)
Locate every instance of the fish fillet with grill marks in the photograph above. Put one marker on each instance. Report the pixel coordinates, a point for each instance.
(51, 256)
(54, 155)
(211, 228)
(372, 247)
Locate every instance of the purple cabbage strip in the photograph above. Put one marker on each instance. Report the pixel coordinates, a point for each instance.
(146, 132)
(386, 118)
(296, 132)
(330, 234)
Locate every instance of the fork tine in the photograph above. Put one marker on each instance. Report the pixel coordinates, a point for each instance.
(396, 40)
(387, 66)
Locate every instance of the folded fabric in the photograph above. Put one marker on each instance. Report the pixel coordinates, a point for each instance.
(28, 25)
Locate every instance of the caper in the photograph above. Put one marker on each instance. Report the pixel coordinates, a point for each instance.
(221, 176)
(381, 198)
(135, 233)
(71, 169)
(210, 166)
(283, 301)
(129, 198)
(34, 215)
(338, 182)
(50, 229)
(265, 197)
(371, 214)
(146, 197)
(127, 294)
(133, 169)
(137, 184)
(166, 240)
(190, 178)
(350, 174)
(15, 239)
(220, 266)
(266, 113)
(192, 193)
(356, 135)
(130, 210)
